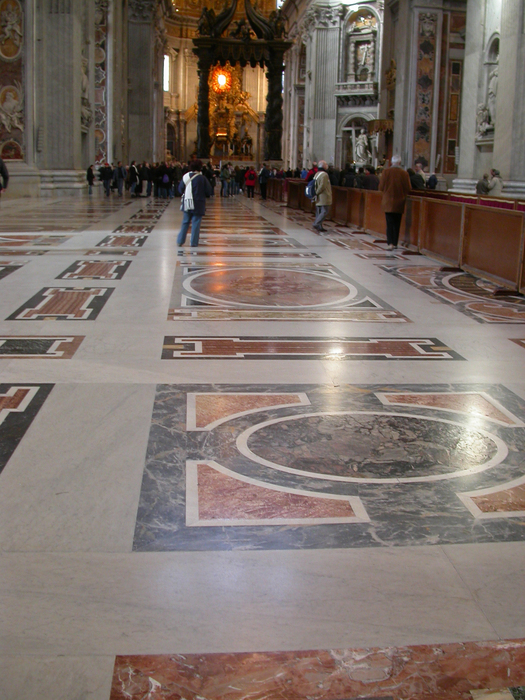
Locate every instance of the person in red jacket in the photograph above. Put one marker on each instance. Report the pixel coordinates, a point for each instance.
(250, 178)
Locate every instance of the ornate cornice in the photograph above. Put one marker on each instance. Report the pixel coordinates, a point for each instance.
(323, 16)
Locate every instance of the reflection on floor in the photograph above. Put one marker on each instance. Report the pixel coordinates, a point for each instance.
(230, 467)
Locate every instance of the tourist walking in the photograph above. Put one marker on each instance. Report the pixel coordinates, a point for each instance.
(194, 188)
(323, 195)
(264, 176)
(395, 186)
(106, 175)
(119, 176)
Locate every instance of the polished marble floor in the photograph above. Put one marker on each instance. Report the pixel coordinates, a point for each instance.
(280, 465)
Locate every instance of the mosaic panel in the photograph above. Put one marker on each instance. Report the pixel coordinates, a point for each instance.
(12, 79)
(14, 347)
(96, 270)
(122, 241)
(133, 228)
(63, 304)
(247, 254)
(279, 291)
(19, 404)
(467, 671)
(278, 348)
(245, 241)
(470, 295)
(373, 466)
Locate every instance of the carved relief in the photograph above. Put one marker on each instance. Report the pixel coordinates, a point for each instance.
(319, 16)
(11, 29)
(86, 113)
(101, 31)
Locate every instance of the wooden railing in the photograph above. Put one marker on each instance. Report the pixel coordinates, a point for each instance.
(484, 235)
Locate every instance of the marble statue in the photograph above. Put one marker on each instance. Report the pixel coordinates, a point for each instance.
(362, 151)
(482, 121)
(492, 94)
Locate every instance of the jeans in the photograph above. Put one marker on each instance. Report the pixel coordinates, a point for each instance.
(320, 215)
(133, 188)
(195, 221)
(107, 185)
(393, 224)
(90, 189)
(224, 188)
(150, 186)
(120, 186)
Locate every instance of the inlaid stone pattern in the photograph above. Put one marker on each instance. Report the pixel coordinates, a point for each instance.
(19, 404)
(99, 270)
(29, 240)
(466, 671)
(63, 304)
(6, 268)
(278, 291)
(470, 295)
(49, 347)
(257, 348)
(122, 241)
(348, 466)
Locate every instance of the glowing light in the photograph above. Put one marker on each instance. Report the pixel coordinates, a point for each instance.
(221, 79)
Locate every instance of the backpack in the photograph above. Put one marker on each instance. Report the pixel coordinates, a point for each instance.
(310, 189)
(165, 179)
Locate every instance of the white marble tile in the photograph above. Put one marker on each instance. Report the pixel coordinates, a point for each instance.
(73, 483)
(234, 601)
(55, 677)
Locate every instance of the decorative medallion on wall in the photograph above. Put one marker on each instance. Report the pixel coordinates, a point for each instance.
(11, 29)
(221, 79)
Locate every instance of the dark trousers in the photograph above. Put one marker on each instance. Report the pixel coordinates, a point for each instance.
(250, 190)
(393, 224)
(263, 189)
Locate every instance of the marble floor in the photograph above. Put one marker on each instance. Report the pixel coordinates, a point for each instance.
(280, 465)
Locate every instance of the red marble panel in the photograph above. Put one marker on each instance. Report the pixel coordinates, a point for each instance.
(473, 404)
(212, 407)
(223, 497)
(437, 672)
(505, 501)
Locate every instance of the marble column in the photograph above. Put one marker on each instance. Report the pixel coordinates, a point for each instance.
(142, 67)
(59, 89)
(472, 159)
(509, 137)
(203, 102)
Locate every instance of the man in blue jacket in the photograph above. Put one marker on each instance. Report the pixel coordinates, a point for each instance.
(194, 188)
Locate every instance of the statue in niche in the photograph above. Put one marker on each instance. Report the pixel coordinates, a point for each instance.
(362, 151)
(482, 121)
(12, 107)
(492, 94)
(246, 144)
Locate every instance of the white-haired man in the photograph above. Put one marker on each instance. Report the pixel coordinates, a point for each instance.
(323, 195)
(395, 186)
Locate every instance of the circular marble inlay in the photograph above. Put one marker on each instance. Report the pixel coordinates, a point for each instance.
(264, 286)
(369, 446)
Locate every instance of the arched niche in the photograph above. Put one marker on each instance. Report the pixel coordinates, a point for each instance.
(361, 48)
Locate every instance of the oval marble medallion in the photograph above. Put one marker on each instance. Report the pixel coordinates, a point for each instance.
(262, 286)
(371, 447)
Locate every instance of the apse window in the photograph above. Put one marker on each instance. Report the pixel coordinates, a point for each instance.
(166, 73)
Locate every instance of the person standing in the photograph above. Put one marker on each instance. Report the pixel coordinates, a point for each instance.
(482, 186)
(119, 177)
(194, 188)
(495, 183)
(224, 177)
(264, 176)
(395, 186)
(323, 195)
(106, 175)
(133, 175)
(90, 177)
(4, 173)
(250, 178)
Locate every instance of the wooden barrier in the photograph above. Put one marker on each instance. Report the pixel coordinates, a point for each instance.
(340, 204)
(374, 215)
(440, 229)
(479, 234)
(493, 244)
